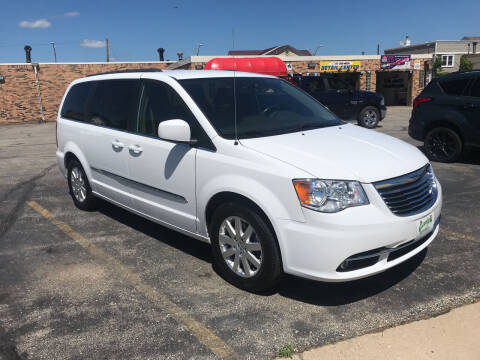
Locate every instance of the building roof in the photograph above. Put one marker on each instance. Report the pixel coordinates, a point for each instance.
(275, 50)
(471, 38)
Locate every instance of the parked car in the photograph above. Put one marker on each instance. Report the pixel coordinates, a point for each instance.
(446, 116)
(252, 165)
(367, 107)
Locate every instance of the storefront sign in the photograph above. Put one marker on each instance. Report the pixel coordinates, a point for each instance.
(340, 66)
(395, 62)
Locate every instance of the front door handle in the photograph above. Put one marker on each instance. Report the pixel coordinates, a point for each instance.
(117, 145)
(136, 149)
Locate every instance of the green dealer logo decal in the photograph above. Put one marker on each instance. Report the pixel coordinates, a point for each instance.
(424, 224)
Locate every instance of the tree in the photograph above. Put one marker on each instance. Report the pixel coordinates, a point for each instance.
(465, 64)
(437, 66)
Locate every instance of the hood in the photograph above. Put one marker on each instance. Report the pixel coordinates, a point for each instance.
(346, 152)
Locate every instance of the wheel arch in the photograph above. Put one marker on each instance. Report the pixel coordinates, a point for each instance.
(230, 196)
(443, 123)
(72, 151)
(366, 104)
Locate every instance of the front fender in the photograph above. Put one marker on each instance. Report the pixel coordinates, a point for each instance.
(272, 205)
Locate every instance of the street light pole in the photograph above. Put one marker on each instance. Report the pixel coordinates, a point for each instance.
(316, 49)
(54, 51)
(198, 48)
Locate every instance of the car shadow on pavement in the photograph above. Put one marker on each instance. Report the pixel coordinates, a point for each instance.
(172, 238)
(300, 289)
(334, 294)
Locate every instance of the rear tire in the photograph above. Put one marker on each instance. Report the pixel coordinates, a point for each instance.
(250, 260)
(369, 117)
(79, 187)
(443, 144)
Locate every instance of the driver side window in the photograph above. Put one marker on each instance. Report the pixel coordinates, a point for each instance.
(159, 102)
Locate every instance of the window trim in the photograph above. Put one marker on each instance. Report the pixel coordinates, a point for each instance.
(446, 62)
(205, 145)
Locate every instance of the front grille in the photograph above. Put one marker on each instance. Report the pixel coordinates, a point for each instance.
(409, 194)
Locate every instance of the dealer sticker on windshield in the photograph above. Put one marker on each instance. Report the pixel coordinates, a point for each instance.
(425, 224)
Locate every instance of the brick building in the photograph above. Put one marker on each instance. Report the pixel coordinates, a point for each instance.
(19, 96)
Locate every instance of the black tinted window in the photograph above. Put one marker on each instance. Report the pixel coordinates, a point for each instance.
(314, 85)
(114, 104)
(455, 86)
(264, 106)
(475, 89)
(75, 102)
(337, 84)
(161, 102)
(214, 97)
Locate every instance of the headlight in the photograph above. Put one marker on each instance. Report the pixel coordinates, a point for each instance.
(382, 102)
(329, 195)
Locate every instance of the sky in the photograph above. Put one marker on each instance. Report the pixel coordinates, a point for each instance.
(137, 28)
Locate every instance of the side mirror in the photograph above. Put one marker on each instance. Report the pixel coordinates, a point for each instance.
(175, 130)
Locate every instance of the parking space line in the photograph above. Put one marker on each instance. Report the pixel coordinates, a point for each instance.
(202, 333)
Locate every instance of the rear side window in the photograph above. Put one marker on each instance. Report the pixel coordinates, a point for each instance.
(454, 86)
(75, 102)
(114, 104)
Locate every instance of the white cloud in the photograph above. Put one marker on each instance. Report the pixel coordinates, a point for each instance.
(93, 43)
(36, 24)
(71, 14)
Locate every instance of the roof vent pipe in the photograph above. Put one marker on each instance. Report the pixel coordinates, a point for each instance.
(160, 53)
(28, 50)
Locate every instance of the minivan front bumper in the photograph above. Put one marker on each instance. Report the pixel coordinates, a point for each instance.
(319, 247)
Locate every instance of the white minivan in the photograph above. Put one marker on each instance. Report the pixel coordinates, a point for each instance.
(273, 180)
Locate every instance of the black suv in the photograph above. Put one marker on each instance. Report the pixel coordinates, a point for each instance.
(367, 107)
(446, 116)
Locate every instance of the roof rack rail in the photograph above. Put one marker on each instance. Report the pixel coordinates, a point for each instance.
(127, 71)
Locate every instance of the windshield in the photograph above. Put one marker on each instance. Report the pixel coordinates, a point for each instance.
(264, 106)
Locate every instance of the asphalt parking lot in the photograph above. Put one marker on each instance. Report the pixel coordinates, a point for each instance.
(108, 284)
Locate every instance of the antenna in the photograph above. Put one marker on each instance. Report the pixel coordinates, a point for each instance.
(235, 106)
(233, 38)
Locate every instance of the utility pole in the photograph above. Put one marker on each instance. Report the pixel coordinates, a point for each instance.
(106, 47)
(378, 49)
(54, 51)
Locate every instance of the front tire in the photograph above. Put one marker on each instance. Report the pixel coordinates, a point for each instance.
(244, 248)
(79, 187)
(443, 144)
(369, 117)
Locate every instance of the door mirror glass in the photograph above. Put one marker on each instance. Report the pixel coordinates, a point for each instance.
(174, 130)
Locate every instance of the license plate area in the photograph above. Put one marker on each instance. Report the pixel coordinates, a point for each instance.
(425, 225)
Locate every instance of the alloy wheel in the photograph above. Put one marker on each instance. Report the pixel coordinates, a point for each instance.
(370, 117)
(442, 145)
(240, 247)
(77, 182)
